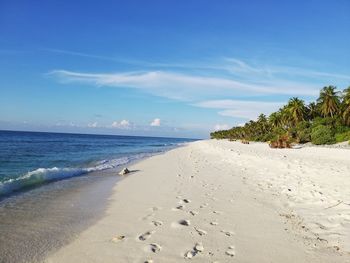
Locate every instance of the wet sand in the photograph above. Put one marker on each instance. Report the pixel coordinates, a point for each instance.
(38, 222)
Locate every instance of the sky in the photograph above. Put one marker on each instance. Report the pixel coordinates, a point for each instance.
(164, 68)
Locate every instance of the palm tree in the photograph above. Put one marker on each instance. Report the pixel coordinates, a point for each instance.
(296, 109)
(346, 106)
(263, 123)
(329, 101)
(312, 111)
(275, 119)
(286, 118)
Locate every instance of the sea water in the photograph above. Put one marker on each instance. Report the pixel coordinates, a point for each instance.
(53, 186)
(30, 159)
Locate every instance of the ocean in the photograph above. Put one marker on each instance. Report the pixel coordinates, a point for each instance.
(30, 159)
(54, 185)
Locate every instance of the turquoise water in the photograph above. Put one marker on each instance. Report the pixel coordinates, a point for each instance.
(30, 159)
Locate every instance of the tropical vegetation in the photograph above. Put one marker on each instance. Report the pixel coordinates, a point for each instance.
(325, 121)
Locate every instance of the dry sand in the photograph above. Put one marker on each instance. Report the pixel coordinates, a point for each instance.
(220, 201)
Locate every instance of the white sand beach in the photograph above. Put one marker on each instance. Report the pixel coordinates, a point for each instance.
(220, 201)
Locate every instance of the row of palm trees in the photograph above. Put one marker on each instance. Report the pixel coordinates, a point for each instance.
(332, 105)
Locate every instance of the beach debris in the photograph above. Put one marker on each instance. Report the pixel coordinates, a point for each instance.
(214, 223)
(155, 248)
(146, 235)
(339, 202)
(117, 239)
(124, 171)
(186, 200)
(149, 261)
(185, 222)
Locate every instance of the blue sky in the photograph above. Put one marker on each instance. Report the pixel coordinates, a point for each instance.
(164, 68)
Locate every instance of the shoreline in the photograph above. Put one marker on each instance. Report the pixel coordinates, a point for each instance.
(210, 201)
(42, 220)
(69, 199)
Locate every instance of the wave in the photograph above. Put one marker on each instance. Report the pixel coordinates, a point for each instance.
(44, 175)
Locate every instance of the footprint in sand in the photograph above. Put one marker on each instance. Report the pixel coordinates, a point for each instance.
(157, 223)
(147, 217)
(179, 207)
(118, 239)
(231, 251)
(198, 247)
(146, 235)
(227, 233)
(200, 232)
(193, 213)
(204, 205)
(217, 212)
(154, 247)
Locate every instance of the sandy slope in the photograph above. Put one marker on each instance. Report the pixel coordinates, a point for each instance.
(218, 201)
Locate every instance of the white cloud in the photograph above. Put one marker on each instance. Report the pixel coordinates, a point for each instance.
(228, 64)
(92, 125)
(184, 86)
(241, 108)
(219, 127)
(155, 122)
(238, 78)
(123, 124)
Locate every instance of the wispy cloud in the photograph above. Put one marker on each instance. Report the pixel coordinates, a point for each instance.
(240, 108)
(183, 86)
(203, 83)
(230, 65)
(236, 66)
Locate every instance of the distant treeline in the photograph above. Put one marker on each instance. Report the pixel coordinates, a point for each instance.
(325, 121)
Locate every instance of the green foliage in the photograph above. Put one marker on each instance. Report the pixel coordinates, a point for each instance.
(324, 122)
(322, 135)
(303, 132)
(342, 137)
